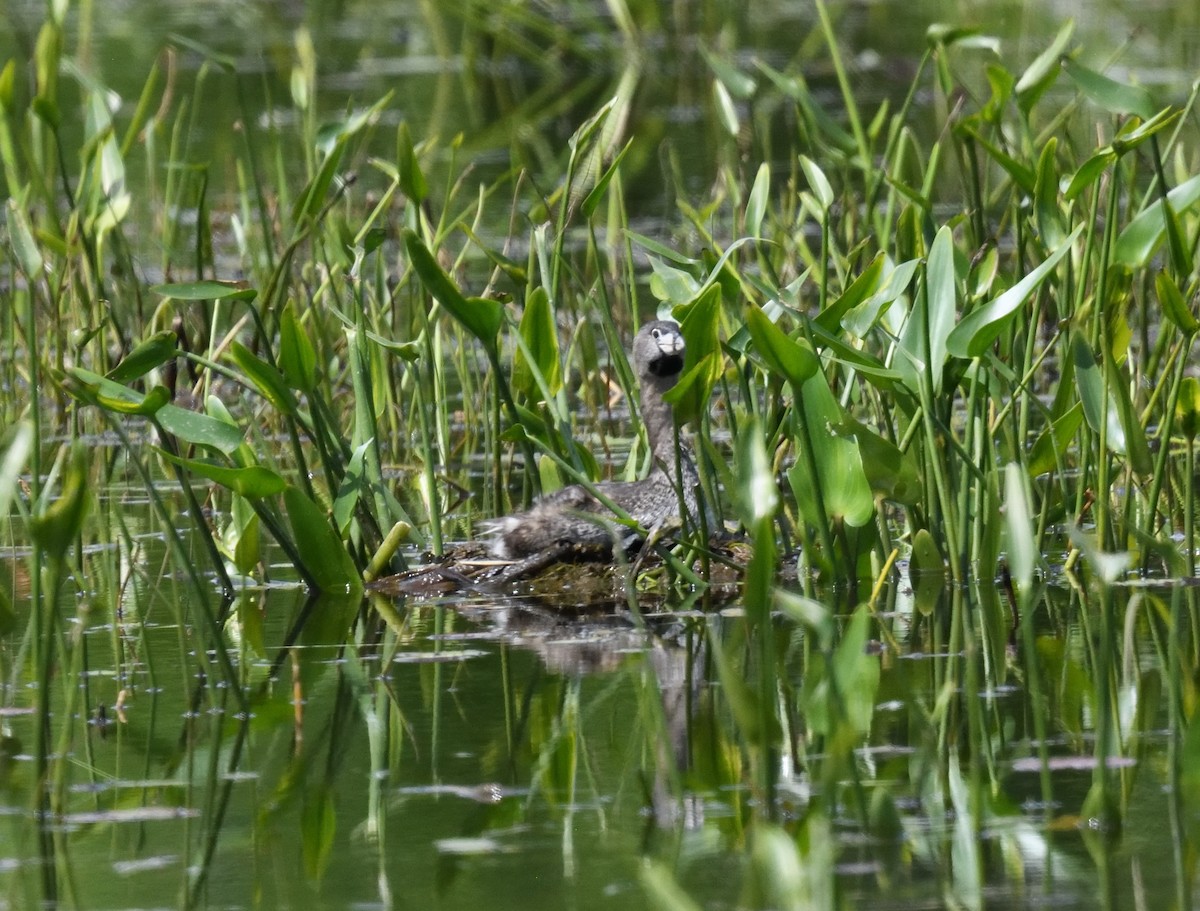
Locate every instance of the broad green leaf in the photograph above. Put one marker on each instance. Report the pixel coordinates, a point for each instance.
(668, 283)
(978, 329)
(739, 84)
(866, 285)
(264, 377)
(297, 357)
(892, 474)
(1050, 448)
(1134, 442)
(252, 482)
(480, 316)
(353, 486)
(243, 539)
(199, 429)
(207, 290)
(1139, 240)
(1041, 74)
(1023, 175)
(56, 526)
(1115, 97)
(322, 552)
(1089, 172)
(787, 358)
(857, 675)
(313, 197)
(844, 487)
(926, 331)
(540, 334)
(699, 323)
(153, 352)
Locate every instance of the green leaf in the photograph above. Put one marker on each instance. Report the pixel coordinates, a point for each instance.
(98, 390)
(1139, 240)
(264, 377)
(787, 358)
(726, 109)
(931, 321)
(978, 329)
(591, 202)
(1051, 446)
(322, 553)
(252, 482)
(199, 429)
(15, 459)
(297, 357)
(1187, 408)
(1115, 97)
(863, 287)
(756, 202)
(844, 486)
(1047, 214)
(207, 290)
(1089, 172)
(927, 571)
(1044, 70)
(56, 526)
(817, 181)
(480, 316)
(411, 178)
(1174, 307)
(20, 234)
(540, 334)
(153, 352)
(1018, 522)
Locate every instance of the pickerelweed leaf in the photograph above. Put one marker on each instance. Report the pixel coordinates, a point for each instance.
(153, 352)
(789, 359)
(253, 482)
(1115, 97)
(480, 316)
(321, 551)
(1175, 308)
(264, 377)
(1139, 239)
(977, 330)
(540, 334)
(200, 429)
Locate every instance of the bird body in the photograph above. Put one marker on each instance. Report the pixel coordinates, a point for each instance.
(576, 516)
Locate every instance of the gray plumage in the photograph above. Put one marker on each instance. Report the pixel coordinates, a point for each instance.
(573, 515)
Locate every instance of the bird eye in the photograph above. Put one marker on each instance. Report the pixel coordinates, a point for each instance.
(654, 332)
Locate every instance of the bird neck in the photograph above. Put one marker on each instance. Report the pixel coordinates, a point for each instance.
(658, 416)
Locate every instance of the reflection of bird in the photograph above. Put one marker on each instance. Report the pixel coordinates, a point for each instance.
(574, 515)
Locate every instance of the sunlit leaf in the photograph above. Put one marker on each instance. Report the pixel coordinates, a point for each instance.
(411, 178)
(264, 377)
(982, 326)
(817, 181)
(787, 358)
(207, 290)
(253, 482)
(480, 316)
(153, 352)
(540, 335)
(1139, 239)
(756, 202)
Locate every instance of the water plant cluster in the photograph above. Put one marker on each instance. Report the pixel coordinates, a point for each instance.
(971, 357)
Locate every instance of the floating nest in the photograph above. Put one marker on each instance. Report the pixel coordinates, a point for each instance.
(566, 575)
